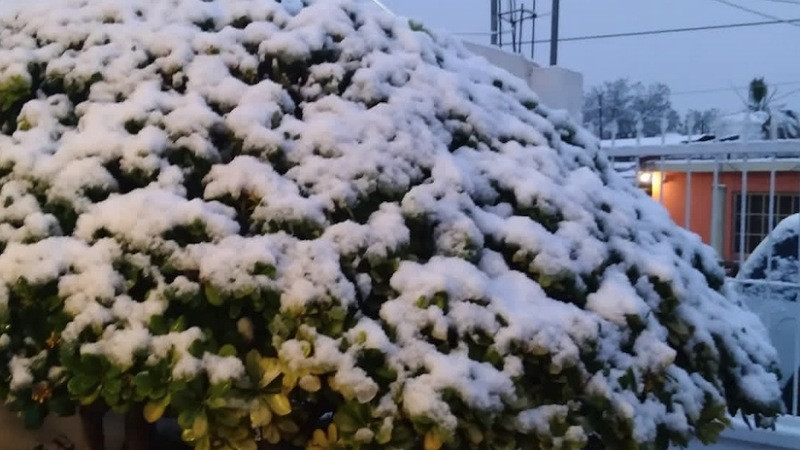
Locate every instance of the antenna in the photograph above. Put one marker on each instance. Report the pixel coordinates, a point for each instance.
(510, 20)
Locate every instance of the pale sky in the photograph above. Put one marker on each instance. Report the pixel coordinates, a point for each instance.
(694, 61)
(716, 60)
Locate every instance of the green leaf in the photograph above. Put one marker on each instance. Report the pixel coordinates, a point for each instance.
(235, 310)
(244, 292)
(111, 389)
(403, 436)
(219, 390)
(12, 91)
(228, 417)
(252, 366)
(351, 416)
(186, 419)
(213, 295)
(160, 391)
(90, 398)
(82, 384)
(91, 364)
(158, 325)
(144, 383)
(264, 269)
(178, 325)
(69, 358)
(679, 328)
(227, 350)
(216, 403)
(178, 385)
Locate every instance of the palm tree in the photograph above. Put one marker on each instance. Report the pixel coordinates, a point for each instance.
(760, 99)
(757, 95)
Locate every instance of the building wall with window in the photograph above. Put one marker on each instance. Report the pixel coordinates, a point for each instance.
(672, 193)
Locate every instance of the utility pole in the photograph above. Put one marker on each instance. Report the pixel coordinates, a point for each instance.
(495, 11)
(554, 35)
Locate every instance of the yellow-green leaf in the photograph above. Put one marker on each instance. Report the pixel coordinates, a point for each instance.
(279, 404)
(432, 441)
(261, 415)
(188, 435)
(200, 425)
(89, 399)
(252, 365)
(154, 409)
(287, 426)
(213, 295)
(203, 444)
(270, 367)
(271, 434)
(227, 350)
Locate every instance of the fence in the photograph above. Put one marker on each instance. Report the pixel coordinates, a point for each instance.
(743, 198)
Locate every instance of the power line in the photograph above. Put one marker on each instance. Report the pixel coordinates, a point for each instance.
(383, 7)
(725, 89)
(787, 94)
(790, 2)
(490, 33)
(482, 33)
(668, 30)
(754, 11)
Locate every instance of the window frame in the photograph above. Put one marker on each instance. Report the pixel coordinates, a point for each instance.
(783, 200)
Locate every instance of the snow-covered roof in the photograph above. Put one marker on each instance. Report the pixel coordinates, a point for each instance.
(392, 193)
(667, 139)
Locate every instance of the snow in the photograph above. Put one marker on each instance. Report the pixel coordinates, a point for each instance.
(748, 125)
(768, 284)
(21, 376)
(670, 138)
(222, 368)
(616, 298)
(119, 346)
(776, 257)
(328, 155)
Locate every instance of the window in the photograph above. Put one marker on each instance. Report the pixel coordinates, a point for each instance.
(757, 217)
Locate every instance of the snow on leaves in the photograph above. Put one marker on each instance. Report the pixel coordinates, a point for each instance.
(272, 215)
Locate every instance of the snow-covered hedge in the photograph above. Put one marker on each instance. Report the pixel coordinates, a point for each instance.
(307, 221)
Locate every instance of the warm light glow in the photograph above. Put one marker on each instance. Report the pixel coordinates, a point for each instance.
(646, 177)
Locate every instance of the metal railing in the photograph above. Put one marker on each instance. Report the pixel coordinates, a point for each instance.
(722, 191)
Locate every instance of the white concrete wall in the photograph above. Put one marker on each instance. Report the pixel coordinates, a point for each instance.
(557, 87)
(515, 63)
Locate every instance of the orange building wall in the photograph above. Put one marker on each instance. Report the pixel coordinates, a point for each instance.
(674, 199)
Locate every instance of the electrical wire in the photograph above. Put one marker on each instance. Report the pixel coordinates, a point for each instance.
(787, 94)
(790, 2)
(482, 33)
(711, 90)
(383, 7)
(756, 12)
(668, 30)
